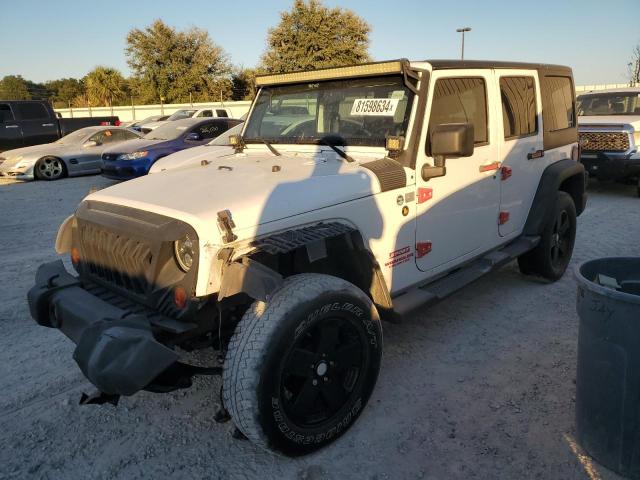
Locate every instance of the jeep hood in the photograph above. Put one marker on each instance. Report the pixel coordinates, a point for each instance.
(190, 157)
(256, 189)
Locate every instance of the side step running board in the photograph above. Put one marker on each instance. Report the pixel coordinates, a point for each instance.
(435, 291)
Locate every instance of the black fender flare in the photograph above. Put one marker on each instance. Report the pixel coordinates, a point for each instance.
(249, 276)
(565, 175)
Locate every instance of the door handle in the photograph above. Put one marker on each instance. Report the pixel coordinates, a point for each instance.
(489, 167)
(536, 154)
(47, 124)
(11, 126)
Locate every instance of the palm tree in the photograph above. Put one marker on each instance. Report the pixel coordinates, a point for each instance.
(105, 85)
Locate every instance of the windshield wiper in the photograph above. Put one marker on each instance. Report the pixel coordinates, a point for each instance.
(270, 147)
(339, 151)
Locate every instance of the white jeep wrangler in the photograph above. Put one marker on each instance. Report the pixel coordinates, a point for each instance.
(355, 194)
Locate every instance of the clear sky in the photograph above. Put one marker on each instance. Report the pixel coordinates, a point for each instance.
(43, 40)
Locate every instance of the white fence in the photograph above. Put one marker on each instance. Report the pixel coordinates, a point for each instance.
(138, 112)
(604, 86)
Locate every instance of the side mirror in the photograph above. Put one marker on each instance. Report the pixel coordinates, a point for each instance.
(193, 137)
(90, 143)
(448, 140)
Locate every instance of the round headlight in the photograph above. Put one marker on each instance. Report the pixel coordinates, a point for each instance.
(185, 252)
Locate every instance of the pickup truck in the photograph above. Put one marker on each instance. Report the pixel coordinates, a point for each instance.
(31, 122)
(609, 130)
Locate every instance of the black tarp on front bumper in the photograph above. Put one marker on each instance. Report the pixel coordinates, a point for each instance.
(116, 350)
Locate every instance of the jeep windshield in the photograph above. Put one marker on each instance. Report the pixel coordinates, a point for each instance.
(623, 103)
(340, 112)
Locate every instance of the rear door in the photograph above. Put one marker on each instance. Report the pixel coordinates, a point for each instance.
(37, 125)
(10, 129)
(520, 141)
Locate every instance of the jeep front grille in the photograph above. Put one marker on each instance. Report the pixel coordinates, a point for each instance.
(116, 258)
(604, 141)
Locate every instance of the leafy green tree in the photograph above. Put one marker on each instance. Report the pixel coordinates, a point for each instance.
(243, 80)
(174, 64)
(105, 86)
(311, 36)
(14, 87)
(65, 91)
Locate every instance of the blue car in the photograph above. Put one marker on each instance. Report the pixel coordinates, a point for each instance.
(134, 158)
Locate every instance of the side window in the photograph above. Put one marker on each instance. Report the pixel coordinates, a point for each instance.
(209, 130)
(206, 113)
(5, 113)
(221, 113)
(32, 111)
(561, 112)
(104, 136)
(519, 112)
(461, 100)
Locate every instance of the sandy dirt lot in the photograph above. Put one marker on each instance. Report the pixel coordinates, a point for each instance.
(480, 386)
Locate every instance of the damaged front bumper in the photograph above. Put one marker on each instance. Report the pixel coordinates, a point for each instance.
(115, 349)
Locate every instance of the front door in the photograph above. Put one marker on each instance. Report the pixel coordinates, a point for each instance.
(37, 126)
(457, 214)
(10, 130)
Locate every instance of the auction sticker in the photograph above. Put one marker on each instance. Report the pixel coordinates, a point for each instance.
(385, 107)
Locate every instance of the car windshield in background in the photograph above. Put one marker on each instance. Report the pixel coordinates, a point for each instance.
(627, 103)
(75, 137)
(180, 114)
(168, 131)
(223, 140)
(340, 112)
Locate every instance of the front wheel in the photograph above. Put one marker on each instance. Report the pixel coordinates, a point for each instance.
(50, 168)
(551, 256)
(301, 367)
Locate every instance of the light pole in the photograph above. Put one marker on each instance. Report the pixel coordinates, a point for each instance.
(462, 31)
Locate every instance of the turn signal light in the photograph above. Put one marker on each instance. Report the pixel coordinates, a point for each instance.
(75, 256)
(180, 297)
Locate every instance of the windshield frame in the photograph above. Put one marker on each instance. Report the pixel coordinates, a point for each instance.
(394, 82)
(88, 131)
(608, 96)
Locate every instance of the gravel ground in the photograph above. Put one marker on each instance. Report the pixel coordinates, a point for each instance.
(479, 386)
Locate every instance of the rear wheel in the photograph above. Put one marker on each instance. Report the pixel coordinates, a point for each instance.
(301, 367)
(50, 168)
(551, 257)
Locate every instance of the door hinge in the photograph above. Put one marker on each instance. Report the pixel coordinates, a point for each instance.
(422, 249)
(503, 218)
(424, 194)
(506, 173)
(226, 224)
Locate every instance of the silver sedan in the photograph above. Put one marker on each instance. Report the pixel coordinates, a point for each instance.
(78, 153)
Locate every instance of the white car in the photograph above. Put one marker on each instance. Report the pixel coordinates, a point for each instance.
(410, 181)
(188, 113)
(198, 156)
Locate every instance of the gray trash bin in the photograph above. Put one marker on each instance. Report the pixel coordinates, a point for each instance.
(608, 374)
